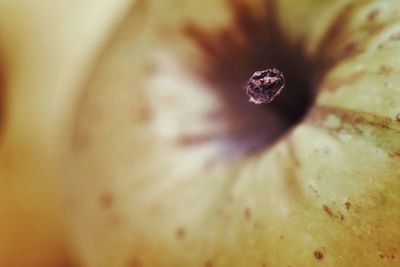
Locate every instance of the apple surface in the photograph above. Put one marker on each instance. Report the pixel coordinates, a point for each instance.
(142, 148)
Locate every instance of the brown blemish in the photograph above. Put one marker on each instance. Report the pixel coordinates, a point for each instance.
(106, 200)
(395, 153)
(334, 84)
(328, 210)
(247, 213)
(318, 255)
(398, 117)
(351, 48)
(208, 264)
(180, 233)
(348, 205)
(373, 14)
(134, 263)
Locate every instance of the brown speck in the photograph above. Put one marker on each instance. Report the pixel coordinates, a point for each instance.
(381, 255)
(341, 216)
(135, 263)
(281, 237)
(263, 264)
(208, 264)
(318, 255)
(373, 14)
(106, 200)
(348, 205)
(180, 233)
(247, 213)
(350, 48)
(327, 210)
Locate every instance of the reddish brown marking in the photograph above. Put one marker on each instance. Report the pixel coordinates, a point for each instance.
(328, 210)
(247, 213)
(106, 200)
(208, 264)
(318, 114)
(335, 31)
(336, 83)
(348, 205)
(351, 48)
(318, 255)
(395, 153)
(398, 117)
(180, 233)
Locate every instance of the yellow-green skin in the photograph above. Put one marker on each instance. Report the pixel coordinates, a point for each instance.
(133, 193)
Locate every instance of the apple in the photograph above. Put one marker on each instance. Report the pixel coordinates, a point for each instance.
(139, 146)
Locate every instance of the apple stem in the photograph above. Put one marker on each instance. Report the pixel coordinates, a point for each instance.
(264, 86)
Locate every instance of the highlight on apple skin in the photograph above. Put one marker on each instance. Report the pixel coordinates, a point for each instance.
(127, 140)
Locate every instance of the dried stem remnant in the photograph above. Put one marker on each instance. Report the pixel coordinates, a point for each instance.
(265, 85)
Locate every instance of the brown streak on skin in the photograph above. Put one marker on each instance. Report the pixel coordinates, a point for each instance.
(334, 84)
(318, 114)
(328, 210)
(335, 30)
(208, 264)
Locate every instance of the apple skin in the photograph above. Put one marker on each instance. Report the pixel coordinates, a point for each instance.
(149, 176)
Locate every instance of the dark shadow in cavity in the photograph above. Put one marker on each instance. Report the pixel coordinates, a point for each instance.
(232, 54)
